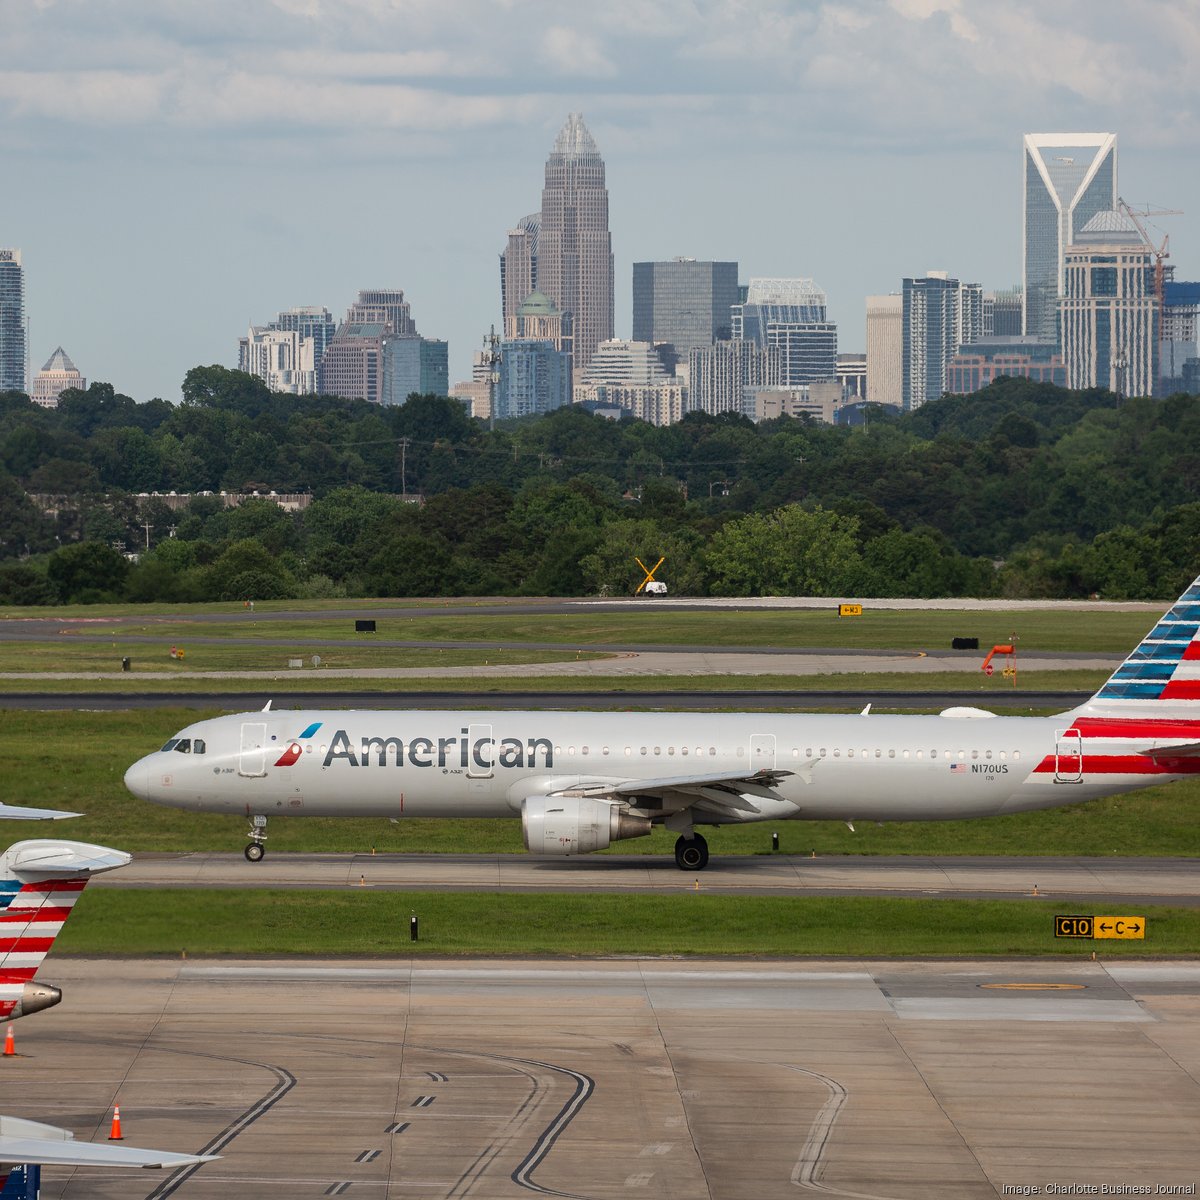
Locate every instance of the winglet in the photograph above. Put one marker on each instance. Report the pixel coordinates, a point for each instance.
(267, 707)
(44, 858)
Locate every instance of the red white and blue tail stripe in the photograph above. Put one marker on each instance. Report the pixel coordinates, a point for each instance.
(1143, 725)
(1164, 670)
(40, 881)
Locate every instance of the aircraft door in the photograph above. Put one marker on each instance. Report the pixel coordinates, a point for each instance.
(762, 752)
(252, 760)
(481, 755)
(1068, 756)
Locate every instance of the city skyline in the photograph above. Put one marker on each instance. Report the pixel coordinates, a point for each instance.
(219, 176)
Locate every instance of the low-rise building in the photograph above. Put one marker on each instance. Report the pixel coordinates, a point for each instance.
(820, 401)
(974, 367)
(660, 403)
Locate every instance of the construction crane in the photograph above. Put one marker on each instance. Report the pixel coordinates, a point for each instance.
(1161, 253)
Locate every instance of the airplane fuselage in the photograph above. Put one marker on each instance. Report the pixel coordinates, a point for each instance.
(487, 763)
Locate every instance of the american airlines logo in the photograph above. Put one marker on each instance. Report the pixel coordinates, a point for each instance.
(290, 756)
(459, 751)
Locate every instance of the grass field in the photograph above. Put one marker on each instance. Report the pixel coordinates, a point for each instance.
(75, 655)
(1109, 631)
(992, 693)
(354, 922)
(75, 760)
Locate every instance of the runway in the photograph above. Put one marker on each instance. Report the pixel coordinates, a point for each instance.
(1124, 881)
(663, 1079)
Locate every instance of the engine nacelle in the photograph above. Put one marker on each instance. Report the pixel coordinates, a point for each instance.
(576, 824)
(34, 998)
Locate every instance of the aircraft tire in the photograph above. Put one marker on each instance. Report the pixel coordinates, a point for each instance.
(691, 854)
(254, 852)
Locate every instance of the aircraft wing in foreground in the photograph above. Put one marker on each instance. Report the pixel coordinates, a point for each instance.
(12, 812)
(35, 1144)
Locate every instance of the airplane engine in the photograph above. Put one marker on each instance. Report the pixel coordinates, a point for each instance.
(35, 997)
(576, 825)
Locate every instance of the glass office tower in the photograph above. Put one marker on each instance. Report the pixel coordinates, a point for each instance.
(683, 303)
(1069, 178)
(12, 322)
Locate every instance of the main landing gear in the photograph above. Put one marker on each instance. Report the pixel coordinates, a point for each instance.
(258, 835)
(691, 853)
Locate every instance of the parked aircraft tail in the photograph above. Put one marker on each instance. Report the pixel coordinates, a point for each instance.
(1161, 677)
(40, 880)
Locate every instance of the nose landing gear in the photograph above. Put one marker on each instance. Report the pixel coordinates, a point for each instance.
(258, 835)
(691, 853)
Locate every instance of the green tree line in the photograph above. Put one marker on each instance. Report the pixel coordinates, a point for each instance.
(1021, 489)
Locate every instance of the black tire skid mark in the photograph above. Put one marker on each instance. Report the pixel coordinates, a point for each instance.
(522, 1174)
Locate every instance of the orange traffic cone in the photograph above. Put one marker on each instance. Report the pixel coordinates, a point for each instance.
(115, 1134)
(9, 1045)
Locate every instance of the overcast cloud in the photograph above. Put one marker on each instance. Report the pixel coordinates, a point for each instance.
(174, 171)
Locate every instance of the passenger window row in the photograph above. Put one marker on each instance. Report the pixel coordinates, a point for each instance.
(811, 752)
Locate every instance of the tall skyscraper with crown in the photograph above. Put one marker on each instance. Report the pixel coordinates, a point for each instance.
(574, 248)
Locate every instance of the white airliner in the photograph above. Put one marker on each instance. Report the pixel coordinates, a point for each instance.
(580, 781)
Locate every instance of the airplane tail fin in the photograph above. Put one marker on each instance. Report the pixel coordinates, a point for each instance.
(1161, 678)
(40, 880)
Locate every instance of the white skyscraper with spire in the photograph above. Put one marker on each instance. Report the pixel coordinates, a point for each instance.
(574, 247)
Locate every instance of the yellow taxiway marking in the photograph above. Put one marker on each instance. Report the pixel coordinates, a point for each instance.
(1036, 987)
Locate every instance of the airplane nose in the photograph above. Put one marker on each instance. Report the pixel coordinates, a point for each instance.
(137, 779)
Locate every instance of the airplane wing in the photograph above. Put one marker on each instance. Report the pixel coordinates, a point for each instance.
(42, 859)
(720, 792)
(32, 1142)
(12, 812)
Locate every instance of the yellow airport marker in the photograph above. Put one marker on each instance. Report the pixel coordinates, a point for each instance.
(1119, 927)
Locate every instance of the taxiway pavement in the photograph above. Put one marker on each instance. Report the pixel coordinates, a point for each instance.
(1127, 880)
(636, 1078)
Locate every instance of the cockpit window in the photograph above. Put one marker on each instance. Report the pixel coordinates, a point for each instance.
(170, 745)
(183, 746)
(198, 746)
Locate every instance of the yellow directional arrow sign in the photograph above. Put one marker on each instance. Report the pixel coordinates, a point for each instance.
(1118, 927)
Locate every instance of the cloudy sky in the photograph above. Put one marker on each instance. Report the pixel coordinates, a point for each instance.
(175, 170)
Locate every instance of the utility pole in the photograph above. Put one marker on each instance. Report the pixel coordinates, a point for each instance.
(1120, 362)
(491, 359)
(404, 467)
(147, 527)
